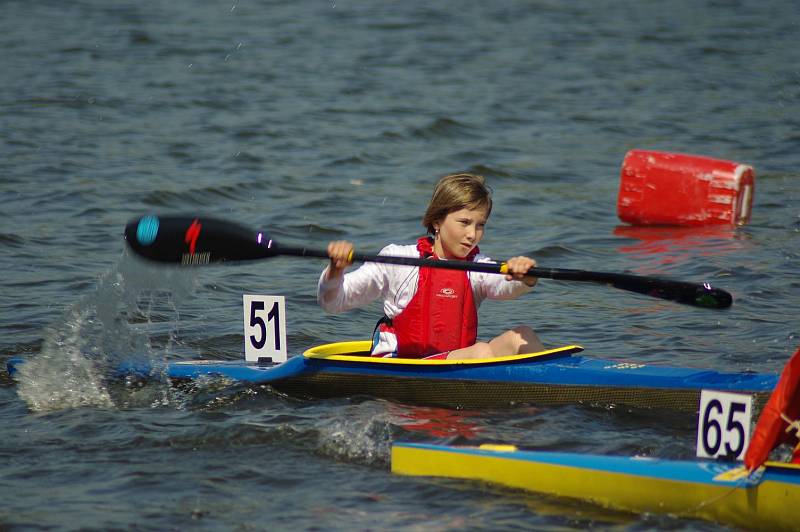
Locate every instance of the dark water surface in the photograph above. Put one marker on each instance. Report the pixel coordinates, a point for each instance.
(332, 119)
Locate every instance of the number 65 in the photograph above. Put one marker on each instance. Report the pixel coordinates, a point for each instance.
(724, 424)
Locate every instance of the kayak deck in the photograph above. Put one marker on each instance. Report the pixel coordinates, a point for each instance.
(552, 377)
(715, 491)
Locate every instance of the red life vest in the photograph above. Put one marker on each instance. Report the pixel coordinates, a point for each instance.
(441, 315)
(772, 428)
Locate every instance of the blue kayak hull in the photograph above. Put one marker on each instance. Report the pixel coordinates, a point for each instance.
(716, 491)
(557, 376)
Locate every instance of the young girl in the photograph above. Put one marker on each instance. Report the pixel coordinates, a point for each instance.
(432, 312)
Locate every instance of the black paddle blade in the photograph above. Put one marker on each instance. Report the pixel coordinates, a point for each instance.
(695, 294)
(188, 240)
(698, 295)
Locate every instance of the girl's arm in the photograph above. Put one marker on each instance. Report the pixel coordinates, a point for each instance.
(337, 291)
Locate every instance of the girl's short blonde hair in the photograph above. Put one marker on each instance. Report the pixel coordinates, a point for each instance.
(455, 192)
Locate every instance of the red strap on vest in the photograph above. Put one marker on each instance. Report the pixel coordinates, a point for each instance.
(425, 248)
(442, 315)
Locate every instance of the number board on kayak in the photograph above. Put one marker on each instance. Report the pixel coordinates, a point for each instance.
(264, 328)
(723, 428)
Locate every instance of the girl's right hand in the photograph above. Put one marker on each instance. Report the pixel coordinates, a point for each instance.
(340, 252)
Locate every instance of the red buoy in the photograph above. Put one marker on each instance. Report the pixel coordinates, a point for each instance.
(662, 188)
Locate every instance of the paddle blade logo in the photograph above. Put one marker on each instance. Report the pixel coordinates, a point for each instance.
(191, 236)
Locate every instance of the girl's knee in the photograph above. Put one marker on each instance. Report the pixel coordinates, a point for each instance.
(526, 339)
(523, 331)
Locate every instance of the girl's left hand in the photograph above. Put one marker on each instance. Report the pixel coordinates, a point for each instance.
(518, 267)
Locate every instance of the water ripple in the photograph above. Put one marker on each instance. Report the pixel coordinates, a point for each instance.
(331, 120)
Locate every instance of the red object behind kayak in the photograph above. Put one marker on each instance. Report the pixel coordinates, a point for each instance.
(662, 188)
(771, 429)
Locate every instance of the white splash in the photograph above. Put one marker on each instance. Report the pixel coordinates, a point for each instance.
(83, 347)
(359, 436)
(61, 376)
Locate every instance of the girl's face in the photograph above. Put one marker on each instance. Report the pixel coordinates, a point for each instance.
(459, 233)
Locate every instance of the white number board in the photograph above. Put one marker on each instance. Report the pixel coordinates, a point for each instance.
(723, 427)
(264, 327)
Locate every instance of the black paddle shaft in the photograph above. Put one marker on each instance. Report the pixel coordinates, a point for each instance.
(188, 240)
(701, 295)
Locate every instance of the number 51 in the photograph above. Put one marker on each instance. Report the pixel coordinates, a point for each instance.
(264, 330)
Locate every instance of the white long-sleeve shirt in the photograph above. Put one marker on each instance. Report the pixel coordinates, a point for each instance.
(396, 285)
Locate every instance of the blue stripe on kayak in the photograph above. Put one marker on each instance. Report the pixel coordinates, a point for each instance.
(574, 370)
(700, 471)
